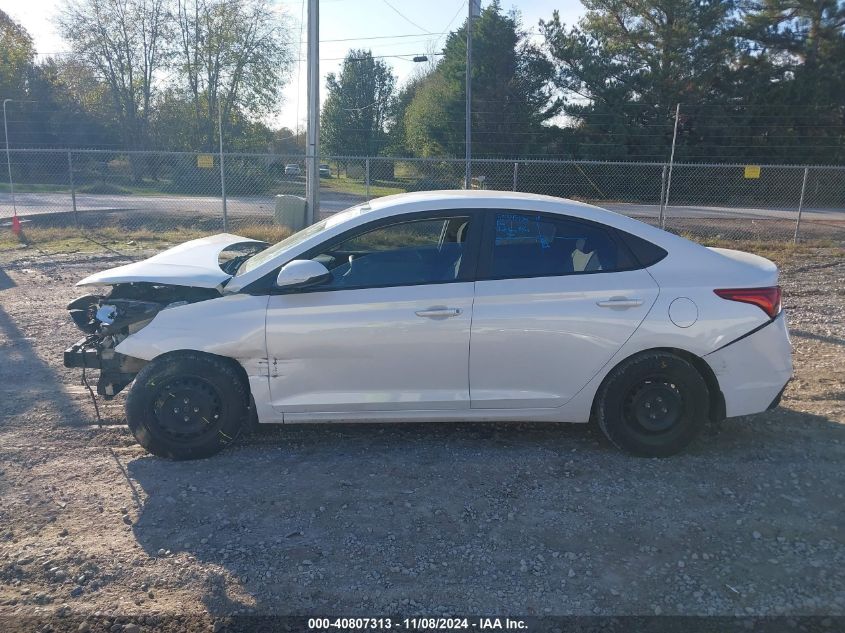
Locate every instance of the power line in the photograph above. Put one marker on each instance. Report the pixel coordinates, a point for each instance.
(402, 56)
(382, 37)
(407, 19)
(448, 26)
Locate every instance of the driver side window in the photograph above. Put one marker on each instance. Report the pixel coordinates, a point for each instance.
(406, 253)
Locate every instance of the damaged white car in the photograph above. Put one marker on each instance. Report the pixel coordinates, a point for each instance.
(439, 306)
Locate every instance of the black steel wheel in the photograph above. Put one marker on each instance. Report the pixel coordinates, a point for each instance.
(652, 404)
(187, 405)
(186, 408)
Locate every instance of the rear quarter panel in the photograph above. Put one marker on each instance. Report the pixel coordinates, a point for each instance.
(689, 271)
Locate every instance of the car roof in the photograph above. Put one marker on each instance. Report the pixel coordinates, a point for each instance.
(461, 196)
(475, 199)
(484, 199)
(488, 199)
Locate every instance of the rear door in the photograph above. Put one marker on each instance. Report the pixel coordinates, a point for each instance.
(555, 299)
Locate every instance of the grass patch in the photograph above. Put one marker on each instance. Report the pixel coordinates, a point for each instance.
(145, 238)
(35, 188)
(354, 186)
(105, 188)
(780, 252)
(270, 234)
(55, 240)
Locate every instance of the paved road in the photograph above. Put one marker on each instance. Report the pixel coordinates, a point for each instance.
(32, 204)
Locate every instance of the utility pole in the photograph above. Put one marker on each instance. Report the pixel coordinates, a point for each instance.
(312, 174)
(473, 9)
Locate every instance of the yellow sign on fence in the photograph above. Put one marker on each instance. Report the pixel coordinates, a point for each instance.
(205, 161)
(752, 171)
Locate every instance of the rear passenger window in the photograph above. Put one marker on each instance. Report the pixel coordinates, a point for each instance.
(646, 253)
(528, 245)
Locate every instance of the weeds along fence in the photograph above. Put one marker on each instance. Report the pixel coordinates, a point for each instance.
(167, 196)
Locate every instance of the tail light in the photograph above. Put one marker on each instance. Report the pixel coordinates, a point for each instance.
(767, 299)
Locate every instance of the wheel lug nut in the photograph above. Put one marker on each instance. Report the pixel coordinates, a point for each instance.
(185, 401)
(196, 409)
(175, 409)
(187, 418)
(664, 410)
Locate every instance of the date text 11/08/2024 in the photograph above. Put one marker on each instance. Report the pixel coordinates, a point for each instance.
(417, 624)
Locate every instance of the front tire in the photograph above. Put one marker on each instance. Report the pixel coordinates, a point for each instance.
(187, 405)
(653, 404)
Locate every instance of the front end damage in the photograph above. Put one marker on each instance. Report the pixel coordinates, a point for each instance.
(188, 273)
(109, 318)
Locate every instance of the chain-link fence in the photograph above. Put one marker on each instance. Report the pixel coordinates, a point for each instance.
(171, 196)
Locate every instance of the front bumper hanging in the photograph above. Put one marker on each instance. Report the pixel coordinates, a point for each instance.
(84, 353)
(116, 370)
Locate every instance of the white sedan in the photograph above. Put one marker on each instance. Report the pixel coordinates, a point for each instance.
(439, 306)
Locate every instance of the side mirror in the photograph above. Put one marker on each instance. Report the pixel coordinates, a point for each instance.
(301, 273)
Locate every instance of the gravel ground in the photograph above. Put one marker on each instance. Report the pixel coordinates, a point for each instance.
(416, 519)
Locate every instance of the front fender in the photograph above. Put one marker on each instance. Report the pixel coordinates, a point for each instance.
(231, 326)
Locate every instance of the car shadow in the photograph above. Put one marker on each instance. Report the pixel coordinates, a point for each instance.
(6, 282)
(357, 517)
(27, 381)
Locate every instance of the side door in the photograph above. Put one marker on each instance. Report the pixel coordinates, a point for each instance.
(389, 331)
(555, 299)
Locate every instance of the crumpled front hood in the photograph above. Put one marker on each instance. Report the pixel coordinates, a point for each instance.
(194, 263)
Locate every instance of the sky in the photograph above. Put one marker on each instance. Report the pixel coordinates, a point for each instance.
(403, 27)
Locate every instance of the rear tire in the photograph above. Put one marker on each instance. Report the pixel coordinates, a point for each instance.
(653, 404)
(187, 405)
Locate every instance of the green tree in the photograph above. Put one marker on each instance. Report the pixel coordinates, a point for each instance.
(358, 106)
(397, 135)
(511, 93)
(127, 43)
(17, 55)
(791, 79)
(287, 142)
(627, 63)
(234, 53)
(60, 111)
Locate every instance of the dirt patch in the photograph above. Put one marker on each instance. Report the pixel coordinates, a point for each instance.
(425, 519)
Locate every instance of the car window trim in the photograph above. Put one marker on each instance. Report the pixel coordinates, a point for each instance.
(466, 273)
(488, 239)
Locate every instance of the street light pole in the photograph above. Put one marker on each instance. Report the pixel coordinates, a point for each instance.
(312, 175)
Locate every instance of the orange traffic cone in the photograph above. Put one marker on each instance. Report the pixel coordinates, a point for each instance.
(16, 225)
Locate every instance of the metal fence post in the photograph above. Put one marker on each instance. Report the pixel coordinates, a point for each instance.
(662, 196)
(367, 175)
(222, 169)
(72, 187)
(515, 173)
(800, 205)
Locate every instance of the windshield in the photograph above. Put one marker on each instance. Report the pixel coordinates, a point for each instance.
(266, 255)
(289, 242)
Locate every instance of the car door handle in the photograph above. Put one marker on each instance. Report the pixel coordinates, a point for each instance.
(619, 302)
(438, 312)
